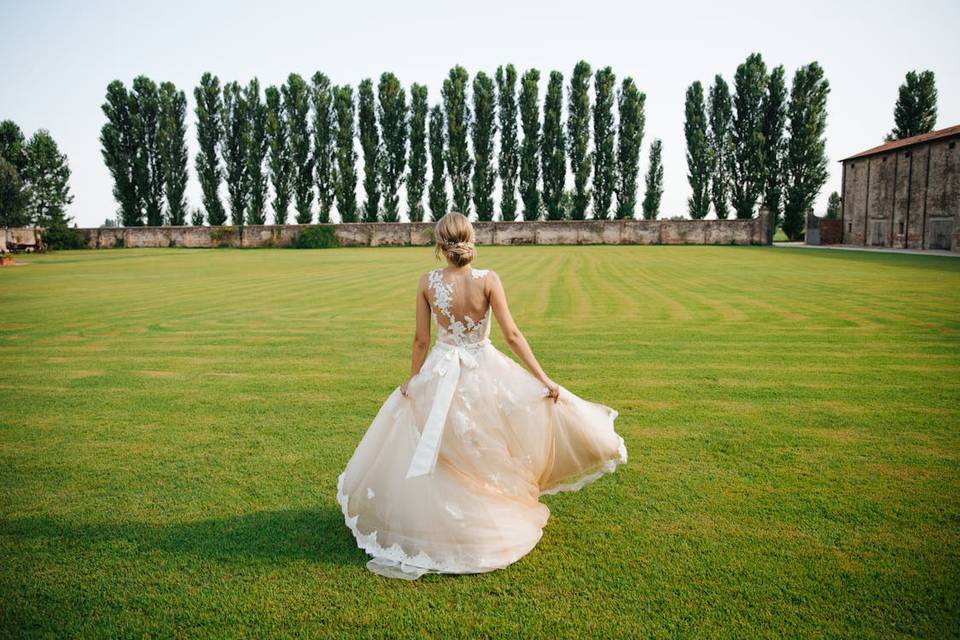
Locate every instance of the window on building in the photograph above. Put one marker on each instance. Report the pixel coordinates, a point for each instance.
(951, 145)
(900, 228)
(849, 227)
(906, 155)
(884, 158)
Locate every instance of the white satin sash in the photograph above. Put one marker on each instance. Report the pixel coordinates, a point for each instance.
(448, 369)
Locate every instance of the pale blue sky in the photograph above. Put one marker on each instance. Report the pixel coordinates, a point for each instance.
(58, 58)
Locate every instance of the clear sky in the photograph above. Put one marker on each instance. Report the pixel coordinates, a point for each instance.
(58, 58)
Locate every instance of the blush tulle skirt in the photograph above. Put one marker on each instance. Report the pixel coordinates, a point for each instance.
(470, 502)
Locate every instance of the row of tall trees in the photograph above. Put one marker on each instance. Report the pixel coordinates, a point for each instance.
(759, 144)
(34, 179)
(144, 146)
(298, 141)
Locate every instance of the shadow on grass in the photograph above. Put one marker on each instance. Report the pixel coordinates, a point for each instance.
(314, 535)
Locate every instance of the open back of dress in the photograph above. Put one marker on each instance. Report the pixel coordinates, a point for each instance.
(459, 306)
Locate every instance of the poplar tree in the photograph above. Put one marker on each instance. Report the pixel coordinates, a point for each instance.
(748, 145)
(699, 157)
(281, 166)
(530, 147)
(630, 102)
(417, 173)
(721, 145)
(553, 156)
(578, 139)
(370, 145)
(321, 96)
(806, 158)
(148, 171)
(459, 163)
(916, 108)
(257, 150)
(235, 149)
(392, 112)
(173, 151)
(209, 133)
(774, 145)
(438, 178)
(483, 130)
(653, 193)
(296, 105)
(345, 178)
(834, 206)
(509, 152)
(118, 140)
(604, 171)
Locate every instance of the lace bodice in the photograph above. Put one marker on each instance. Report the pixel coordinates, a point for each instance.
(453, 328)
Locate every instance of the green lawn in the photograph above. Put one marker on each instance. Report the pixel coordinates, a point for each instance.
(172, 424)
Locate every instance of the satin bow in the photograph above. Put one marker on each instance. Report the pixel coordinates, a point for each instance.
(448, 370)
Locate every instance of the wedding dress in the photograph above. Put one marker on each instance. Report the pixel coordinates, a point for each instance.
(447, 478)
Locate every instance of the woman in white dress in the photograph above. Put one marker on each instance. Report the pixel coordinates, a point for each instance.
(447, 479)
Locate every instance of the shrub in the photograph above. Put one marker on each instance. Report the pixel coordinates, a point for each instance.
(220, 236)
(321, 237)
(60, 236)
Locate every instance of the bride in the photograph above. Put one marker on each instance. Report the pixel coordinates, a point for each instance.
(448, 477)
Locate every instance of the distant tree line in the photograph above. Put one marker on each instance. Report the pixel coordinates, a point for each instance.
(759, 144)
(34, 183)
(297, 142)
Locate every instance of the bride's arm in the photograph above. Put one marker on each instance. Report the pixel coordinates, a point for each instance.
(421, 337)
(513, 336)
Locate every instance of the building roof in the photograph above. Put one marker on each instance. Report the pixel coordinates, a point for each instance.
(908, 142)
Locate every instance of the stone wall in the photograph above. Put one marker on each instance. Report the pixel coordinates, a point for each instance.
(741, 232)
(904, 198)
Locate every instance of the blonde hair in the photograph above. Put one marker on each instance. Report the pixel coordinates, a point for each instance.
(455, 239)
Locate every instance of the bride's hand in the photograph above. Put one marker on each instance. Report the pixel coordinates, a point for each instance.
(405, 385)
(553, 389)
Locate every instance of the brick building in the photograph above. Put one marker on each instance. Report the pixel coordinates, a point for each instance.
(905, 193)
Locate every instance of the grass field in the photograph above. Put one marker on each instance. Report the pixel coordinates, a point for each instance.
(172, 424)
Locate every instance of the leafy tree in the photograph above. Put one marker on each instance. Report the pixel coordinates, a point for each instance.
(13, 196)
(235, 150)
(173, 151)
(281, 165)
(774, 145)
(483, 131)
(118, 140)
(748, 144)
(806, 158)
(509, 158)
(578, 138)
(438, 179)
(553, 157)
(148, 171)
(417, 175)
(699, 156)
(296, 105)
(530, 146)
(323, 148)
(13, 162)
(630, 102)
(604, 170)
(370, 144)
(345, 176)
(721, 145)
(13, 145)
(196, 218)
(834, 206)
(392, 112)
(916, 109)
(459, 163)
(654, 183)
(209, 133)
(48, 175)
(257, 149)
